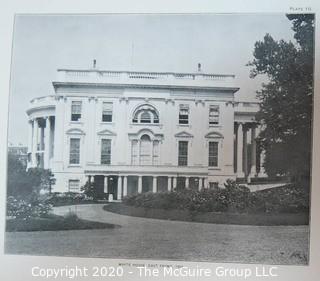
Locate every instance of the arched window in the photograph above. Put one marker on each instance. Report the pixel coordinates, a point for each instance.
(145, 117)
(145, 114)
(145, 150)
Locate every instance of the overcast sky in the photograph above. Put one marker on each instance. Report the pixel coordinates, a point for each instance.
(221, 43)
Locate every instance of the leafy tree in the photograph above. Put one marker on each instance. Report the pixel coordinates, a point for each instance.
(26, 184)
(286, 100)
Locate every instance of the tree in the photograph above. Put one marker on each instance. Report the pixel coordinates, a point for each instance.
(286, 100)
(26, 184)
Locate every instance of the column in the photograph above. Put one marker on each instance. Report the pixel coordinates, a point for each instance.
(119, 188)
(87, 179)
(154, 184)
(139, 184)
(187, 182)
(92, 179)
(169, 184)
(105, 185)
(253, 170)
(206, 183)
(34, 143)
(30, 127)
(262, 172)
(201, 182)
(174, 182)
(245, 150)
(125, 185)
(240, 173)
(47, 143)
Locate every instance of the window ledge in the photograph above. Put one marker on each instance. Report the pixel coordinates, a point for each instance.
(146, 124)
(107, 123)
(214, 168)
(184, 125)
(215, 126)
(74, 166)
(76, 122)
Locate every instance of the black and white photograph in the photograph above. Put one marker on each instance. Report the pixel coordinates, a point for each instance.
(174, 137)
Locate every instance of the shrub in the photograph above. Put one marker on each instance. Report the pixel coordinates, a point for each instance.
(17, 208)
(67, 198)
(233, 198)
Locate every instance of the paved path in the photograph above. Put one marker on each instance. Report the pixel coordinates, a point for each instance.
(143, 238)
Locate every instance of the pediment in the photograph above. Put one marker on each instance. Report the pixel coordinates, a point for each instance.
(75, 131)
(214, 135)
(106, 132)
(183, 134)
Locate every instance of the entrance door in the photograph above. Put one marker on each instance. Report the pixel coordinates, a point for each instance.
(112, 186)
(99, 186)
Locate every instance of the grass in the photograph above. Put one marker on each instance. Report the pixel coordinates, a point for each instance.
(54, 223)
(211, 217)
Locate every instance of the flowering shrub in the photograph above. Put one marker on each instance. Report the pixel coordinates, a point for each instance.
(23, 210)
(233, 198)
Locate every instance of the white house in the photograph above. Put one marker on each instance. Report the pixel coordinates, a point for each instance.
(133, 132)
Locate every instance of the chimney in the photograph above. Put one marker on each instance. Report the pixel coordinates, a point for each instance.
(199, 67)
(94, 63)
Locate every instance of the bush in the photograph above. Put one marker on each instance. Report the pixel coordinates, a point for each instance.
(67, 198)
(20, 209)
(233, 198)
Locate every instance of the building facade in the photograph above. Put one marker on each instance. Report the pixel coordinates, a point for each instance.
(130, 132)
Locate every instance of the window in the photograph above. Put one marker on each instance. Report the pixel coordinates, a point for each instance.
(145, 150)
(145, 117)
(145, 114)
(155, 154)
(213, 154)
(183, 153)
(134, 152)
(106, 151)
(74, 151)
(74, 185)
(107, 112)
(184, 114)
(213, 185)
(76, 110)
(213, 114)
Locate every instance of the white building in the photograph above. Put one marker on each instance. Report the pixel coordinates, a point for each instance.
(142, 131)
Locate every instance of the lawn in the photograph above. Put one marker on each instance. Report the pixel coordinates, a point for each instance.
(210, 217)
(54, 223)
(142, 238)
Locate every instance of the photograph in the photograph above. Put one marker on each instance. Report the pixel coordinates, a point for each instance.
(175, 137)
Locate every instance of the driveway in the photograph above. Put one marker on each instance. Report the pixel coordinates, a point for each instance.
(142, 238)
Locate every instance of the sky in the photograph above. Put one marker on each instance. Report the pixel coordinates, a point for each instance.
(223, 44)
